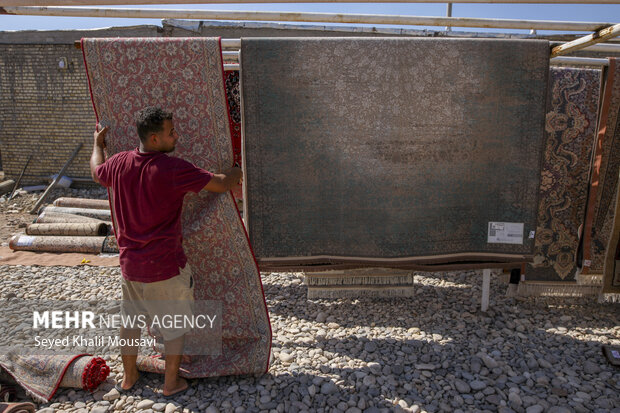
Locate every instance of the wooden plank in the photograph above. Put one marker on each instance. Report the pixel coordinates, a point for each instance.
(583, 42)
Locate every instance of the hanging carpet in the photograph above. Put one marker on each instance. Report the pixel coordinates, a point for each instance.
(392, 152)
(185, 76)
(570, 129)
(604, 177)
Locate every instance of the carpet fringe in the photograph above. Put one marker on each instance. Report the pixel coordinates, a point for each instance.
(589, 279)
(609, 298)
(361, 291)
(313, 280)
(547, 289)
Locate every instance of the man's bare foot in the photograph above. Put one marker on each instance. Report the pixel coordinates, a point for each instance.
(129, 380)
(179, 386)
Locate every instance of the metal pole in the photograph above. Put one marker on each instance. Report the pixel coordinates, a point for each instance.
(486, 288)
(123, 2)
(589, 61)
(306, 17)
(19, 180)
(449, 14)
(58, 177)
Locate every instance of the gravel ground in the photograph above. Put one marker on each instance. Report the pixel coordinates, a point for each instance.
(435, 352)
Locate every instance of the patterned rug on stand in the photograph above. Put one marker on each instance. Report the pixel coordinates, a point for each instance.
(570, 129)
(185, 76)
(604, 178)
(343, 168)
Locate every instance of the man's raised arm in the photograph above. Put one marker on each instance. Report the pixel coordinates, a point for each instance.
(225, 181)
(98, 157)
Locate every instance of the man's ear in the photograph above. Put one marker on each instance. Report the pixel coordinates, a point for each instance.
(153, 139)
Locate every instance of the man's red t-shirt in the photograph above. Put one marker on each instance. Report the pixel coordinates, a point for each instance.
(148, 190)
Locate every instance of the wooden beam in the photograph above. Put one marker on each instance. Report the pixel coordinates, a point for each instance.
(305, 17)
(583, 42)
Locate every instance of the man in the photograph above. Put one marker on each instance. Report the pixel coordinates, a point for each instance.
(148, 187)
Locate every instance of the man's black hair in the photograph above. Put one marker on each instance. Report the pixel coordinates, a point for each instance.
(151, 120)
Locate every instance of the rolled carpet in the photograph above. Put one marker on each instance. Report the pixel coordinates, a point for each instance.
(82, 203)
(85, 229)
(20, 407)
(89, 245)
(57, 217)
(42, 375)
(102, 214)
(110, 246)
(6, 186)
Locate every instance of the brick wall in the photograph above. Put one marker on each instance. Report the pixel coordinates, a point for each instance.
(46, 111)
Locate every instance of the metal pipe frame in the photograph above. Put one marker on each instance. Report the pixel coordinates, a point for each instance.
(123, 2)
(307, 17)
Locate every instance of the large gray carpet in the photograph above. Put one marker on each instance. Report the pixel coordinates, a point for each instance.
(397, 152)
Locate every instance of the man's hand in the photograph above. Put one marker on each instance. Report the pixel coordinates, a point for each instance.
(99, 136)
(225, 181)
(97, 157)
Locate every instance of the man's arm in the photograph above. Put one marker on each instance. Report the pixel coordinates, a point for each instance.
(225, 181)
(98, 157)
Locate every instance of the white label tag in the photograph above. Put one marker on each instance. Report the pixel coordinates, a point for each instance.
(587, 263)
(25, 241)
(505, 233)
(532, 234)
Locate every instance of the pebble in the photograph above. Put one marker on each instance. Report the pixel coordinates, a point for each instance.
(111, 395)
(145, 404)
(461, 386)
(158, 407)
(477, 385)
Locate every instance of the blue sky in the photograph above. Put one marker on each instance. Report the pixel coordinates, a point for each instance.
(563, 12)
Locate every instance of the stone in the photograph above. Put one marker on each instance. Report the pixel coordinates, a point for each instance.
(159, 407)
(145, 404)
(285, 358)
(559, 409)
(537, 408)
(591, 368)
(477, 385)
(99, 409)
(461, 386)
(111, 395)
(488, 360)
(328, 388)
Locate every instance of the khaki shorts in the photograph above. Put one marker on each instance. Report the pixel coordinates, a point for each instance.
(162, 300)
